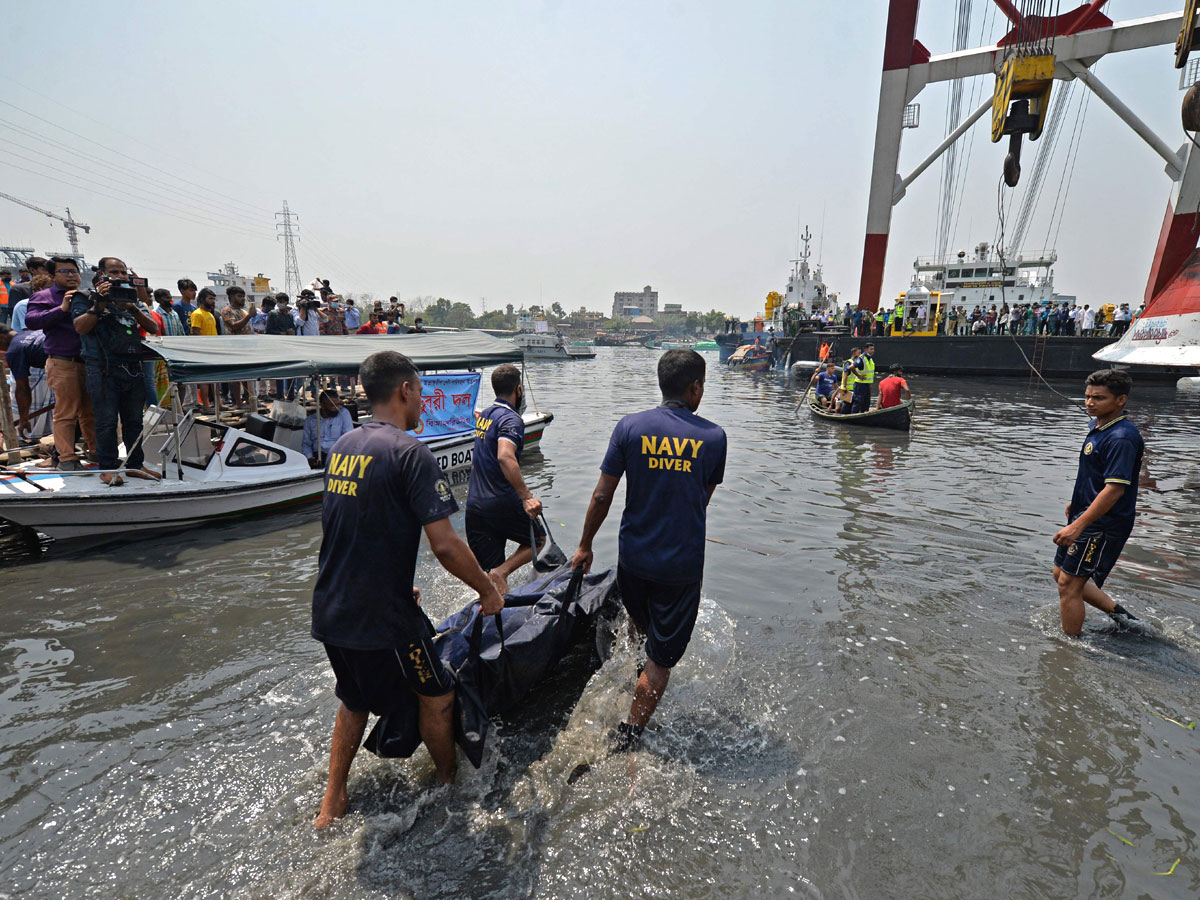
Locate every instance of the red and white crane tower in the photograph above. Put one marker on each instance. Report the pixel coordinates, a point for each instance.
(1042, 48)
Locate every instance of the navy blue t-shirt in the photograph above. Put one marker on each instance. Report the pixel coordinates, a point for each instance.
(382, 486)
(671, 456)
(1111, 454)
(27, 351)
(490, 492)
(825, 384)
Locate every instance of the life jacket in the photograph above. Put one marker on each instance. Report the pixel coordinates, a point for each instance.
(3, 294)
(849, 377)
(867, 375)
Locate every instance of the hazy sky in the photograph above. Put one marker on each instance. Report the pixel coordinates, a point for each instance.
(530, 149)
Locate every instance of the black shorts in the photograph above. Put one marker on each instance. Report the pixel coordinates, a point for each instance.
(488, 535)
(1093, 554)
(375, 680)
(666, 613)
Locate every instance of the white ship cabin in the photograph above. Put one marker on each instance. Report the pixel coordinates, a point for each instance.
(976, 280)
(256, 286)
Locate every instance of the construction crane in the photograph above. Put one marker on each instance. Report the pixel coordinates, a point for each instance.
(73, 227)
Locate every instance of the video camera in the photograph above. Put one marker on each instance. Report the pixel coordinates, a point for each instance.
(123, 291)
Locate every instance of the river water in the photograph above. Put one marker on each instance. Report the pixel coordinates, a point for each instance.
(876, 703)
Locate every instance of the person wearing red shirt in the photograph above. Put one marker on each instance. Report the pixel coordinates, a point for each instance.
(892, 387)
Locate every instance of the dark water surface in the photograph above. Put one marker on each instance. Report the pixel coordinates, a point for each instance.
(876, 703)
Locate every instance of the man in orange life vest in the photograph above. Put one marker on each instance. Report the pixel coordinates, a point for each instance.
(674, 460)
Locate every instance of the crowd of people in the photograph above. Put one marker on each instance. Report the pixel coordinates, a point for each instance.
(84, 331)
(1053, 319)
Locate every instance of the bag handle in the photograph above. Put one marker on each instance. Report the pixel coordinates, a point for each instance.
(475, 641)
(533, 533)
(571, 594)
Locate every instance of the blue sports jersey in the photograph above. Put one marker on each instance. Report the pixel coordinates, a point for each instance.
(825, 384)
(671, 456)
(490, 492)
(1111, 454)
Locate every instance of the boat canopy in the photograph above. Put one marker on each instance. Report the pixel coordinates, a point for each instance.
(245, 357)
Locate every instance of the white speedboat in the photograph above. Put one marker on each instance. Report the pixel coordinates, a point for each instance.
(551, 346)
(214, 471)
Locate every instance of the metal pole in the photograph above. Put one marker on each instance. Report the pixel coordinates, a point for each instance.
(317, 396)
(11, 441)
(1128, 116)
(940, 149)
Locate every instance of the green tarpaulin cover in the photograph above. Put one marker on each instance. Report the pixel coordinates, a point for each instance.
(250, 356)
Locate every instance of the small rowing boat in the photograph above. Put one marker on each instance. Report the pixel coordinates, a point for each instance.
(897, 418)
(749, 358)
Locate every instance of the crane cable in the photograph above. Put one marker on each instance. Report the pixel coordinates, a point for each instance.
(1004, 300)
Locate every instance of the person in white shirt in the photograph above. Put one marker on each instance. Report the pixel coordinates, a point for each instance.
(1089, 320)
(308, 315)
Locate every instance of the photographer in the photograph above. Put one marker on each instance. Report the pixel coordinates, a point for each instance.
(107, 319)
(309, 315)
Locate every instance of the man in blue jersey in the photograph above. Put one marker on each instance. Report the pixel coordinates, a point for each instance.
(383, 487)
(826, 382)
(500, 507)
(1103, 505)
(674, 460)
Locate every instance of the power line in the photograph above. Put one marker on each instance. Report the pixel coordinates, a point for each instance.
(120, 153)
(166, 202)
(121, 199)
(139, 139)
(164, 205)
(190, 196)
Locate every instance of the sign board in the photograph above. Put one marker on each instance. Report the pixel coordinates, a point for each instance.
(447, 404)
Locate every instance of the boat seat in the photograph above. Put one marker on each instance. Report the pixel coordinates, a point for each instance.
(289, 436)
(260, 426)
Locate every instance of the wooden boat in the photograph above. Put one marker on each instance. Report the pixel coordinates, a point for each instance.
(897, 418)
(749, 359)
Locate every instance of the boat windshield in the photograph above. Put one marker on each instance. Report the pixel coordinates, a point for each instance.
(201, 442)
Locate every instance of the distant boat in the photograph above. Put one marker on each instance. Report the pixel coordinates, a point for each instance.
(748, 358)
(706, 345)
(550, 346)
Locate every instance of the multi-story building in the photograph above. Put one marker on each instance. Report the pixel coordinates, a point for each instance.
(628, 304)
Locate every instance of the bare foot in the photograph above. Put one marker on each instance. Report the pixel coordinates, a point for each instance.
(333, 807)
(499, 581)
(448, 777)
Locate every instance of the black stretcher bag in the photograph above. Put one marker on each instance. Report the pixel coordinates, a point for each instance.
(497, 660)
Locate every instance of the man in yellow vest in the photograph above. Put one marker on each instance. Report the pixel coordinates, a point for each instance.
(864, 378)
(846, 389)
